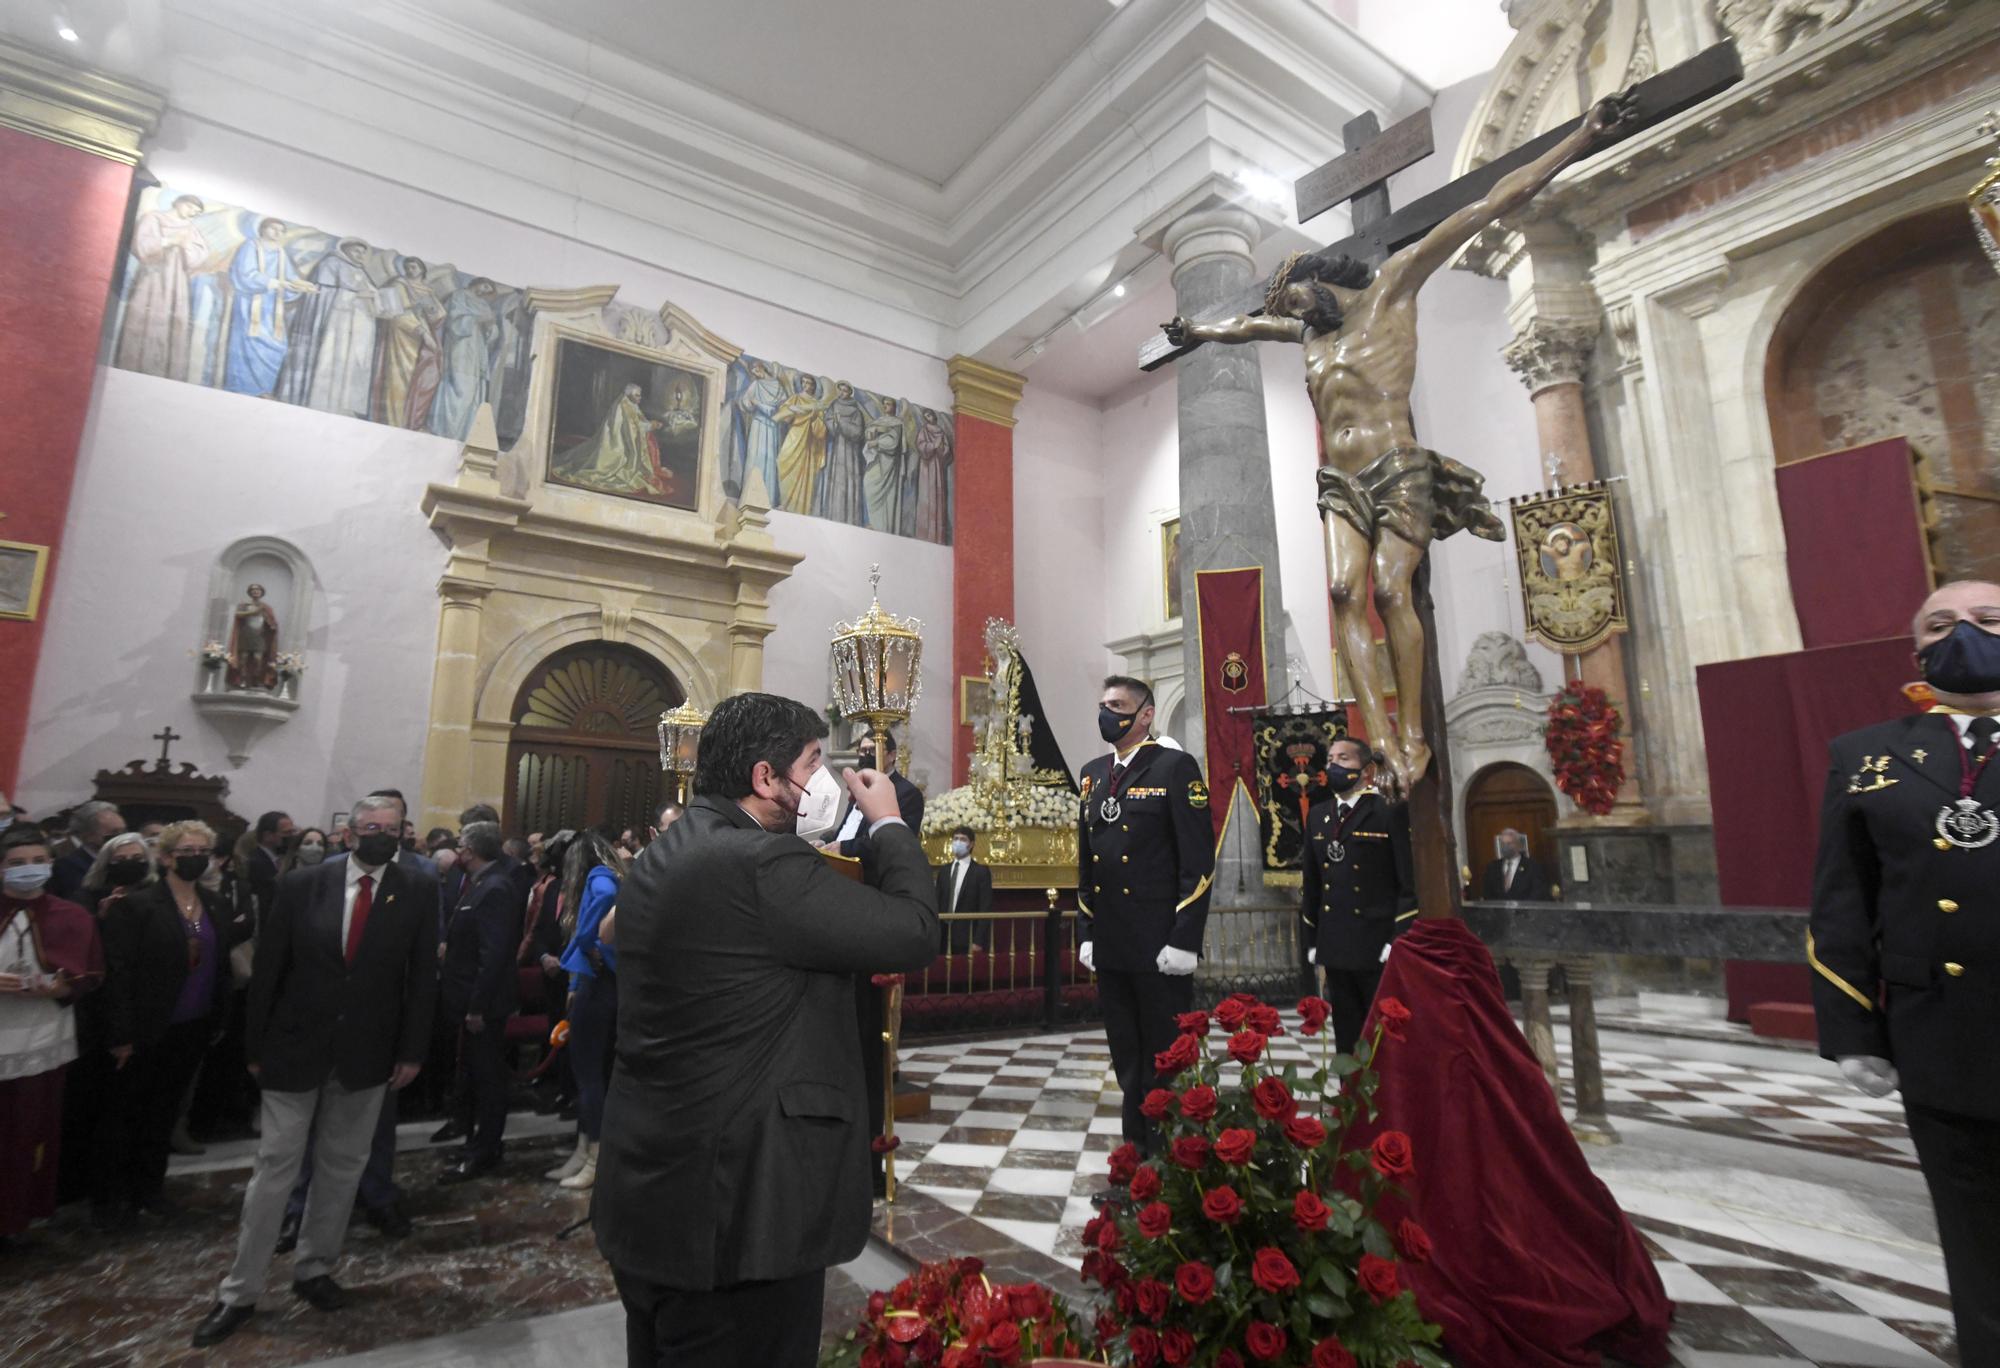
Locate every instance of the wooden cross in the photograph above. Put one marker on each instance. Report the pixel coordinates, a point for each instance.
(166, 736)
(1378, 231)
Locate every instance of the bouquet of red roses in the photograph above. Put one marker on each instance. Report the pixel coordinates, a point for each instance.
(1252, 1240)
(947, 1315)
(1584, 749)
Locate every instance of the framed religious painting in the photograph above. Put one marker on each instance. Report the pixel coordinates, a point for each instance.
(22, 568)
(1170, 569)
(626, 425)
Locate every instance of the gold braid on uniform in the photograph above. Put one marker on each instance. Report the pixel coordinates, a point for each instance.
(1280, 278)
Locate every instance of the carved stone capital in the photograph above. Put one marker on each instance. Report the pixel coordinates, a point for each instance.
(1624, 323)
(982, 391)
(75, 106)
(1551, 352)
(1221, 231)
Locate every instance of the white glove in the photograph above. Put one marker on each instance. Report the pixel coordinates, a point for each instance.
(1084, 957)
(1385, 952)
(1176, 962)
(1312, 956)
(1869, 1073)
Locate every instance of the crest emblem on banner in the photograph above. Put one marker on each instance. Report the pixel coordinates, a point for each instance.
(1235, 674)
(1572, 584)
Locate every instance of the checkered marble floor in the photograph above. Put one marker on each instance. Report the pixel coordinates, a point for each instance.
(1019, 1132)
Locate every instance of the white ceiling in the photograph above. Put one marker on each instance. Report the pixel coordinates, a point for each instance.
(917, 84)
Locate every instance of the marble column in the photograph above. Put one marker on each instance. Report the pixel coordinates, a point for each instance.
(69, 138)
(1536, 1022)
(1227, 515)
(1551, 355)
(982, 525)
(1586, 1064)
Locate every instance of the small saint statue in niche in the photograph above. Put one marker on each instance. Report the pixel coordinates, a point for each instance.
(253, 644)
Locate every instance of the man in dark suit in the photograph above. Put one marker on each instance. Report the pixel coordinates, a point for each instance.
(478, 988)
(273, 830)
(1359, 887)
(870, 1010)
(964, 886)
(90, 825)
(1905, 936)
(1516, 876)
(339, 1012)
(1145, 856)
(732, 1173)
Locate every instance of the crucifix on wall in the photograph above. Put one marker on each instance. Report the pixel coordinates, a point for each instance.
(1383, 496)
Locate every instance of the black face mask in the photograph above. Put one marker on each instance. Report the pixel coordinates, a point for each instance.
(1341, 779)
(125, 873)
(378, 849)
(1966, 662)
(1112, 725)
(191, 867)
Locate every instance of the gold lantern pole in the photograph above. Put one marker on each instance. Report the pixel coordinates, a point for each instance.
(878, 677)
(1984, 199)
(680, 745)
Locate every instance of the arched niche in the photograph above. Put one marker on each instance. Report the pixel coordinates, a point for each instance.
(583, 748)
(1895, 336)
(288, 583)
(1504, 795)
(510, 671)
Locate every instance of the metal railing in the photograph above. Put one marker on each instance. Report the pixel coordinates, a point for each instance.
(1001, 970)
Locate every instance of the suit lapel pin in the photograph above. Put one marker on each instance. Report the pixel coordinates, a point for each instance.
(1920, 755)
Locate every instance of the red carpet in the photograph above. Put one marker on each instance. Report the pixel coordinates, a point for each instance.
(1534, 1264)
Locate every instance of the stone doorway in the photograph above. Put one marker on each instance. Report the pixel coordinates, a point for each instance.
(1509, 795)
(585, 744)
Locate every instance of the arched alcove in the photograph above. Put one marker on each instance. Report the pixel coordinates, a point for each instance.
(583, 749)
(1508, 795)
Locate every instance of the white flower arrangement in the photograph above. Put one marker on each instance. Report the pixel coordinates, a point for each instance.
(992, 807)
(214, 655)
(289, 664)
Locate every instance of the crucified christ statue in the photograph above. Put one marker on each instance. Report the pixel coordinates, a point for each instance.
(1384, 496)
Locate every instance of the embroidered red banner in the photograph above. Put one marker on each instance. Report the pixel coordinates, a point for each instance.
(1229, 615)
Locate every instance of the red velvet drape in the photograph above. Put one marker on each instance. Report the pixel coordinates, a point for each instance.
(1229, 620)
(1854, 543)
(1533, 1263)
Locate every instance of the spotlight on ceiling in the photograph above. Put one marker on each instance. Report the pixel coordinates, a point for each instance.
(1118, 290)
(64, 29)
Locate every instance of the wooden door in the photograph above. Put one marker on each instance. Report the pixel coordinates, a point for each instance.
(1502, 796)
(585, 749)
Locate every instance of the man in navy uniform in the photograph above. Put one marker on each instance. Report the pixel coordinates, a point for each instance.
(1359, 889)
(1145, 855)
(1905, 936)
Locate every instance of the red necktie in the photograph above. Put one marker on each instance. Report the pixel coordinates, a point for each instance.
(364, 898)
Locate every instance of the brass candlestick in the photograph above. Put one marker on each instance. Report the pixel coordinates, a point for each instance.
(680, 745)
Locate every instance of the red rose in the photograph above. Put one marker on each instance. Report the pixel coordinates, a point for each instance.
(1309, 1212)
(1235, 1146)
(1198, 1103)
(1378, 1278)
(1313, 1014)
(1193, 1023)
(1264, 1020)
(878, 1302)
(1155, 1220)
(1391, 1155)
(1109, 1327)
(1229, 1358)
(1177, 1056)
(1124, 1163)
(1152, 1296)
(1222, 1205)
(1003, 1341)
(1189, 1151)
(1028, 1301)
(1107, 1237)
(1195, 1282)
(1158, 1103)
(1145, 1184)
(1273, 1272)
(1331, 1354)
(1264, 1340)
(882, 1144)
(1245, 1046)
(1176, 1345)
(1229, 1014)
(1306, 1132)
(1393, 1015)
(1412, 1242)
(1144, 1346)
(1273, 1100)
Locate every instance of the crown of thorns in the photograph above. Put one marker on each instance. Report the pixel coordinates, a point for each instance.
(1342, 270)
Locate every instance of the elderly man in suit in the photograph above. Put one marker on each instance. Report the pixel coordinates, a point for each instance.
(339, 1013)
(733, 1171)
(479, 989)
(1516, 876)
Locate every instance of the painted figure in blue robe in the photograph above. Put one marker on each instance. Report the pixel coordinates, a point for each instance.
(763, 433)
(471, 347)
(262, 281)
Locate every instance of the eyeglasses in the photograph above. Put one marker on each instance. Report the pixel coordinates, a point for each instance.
(378, 829)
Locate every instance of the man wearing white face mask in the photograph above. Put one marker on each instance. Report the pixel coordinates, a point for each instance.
(819, 810)
(964, 886)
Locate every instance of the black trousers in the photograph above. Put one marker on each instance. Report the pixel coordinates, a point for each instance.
(142, 1100)
(1139, 1012)
(1351, 991)
(749, 1325)
(871, 1021)
(1960, 1156)
(482, 1066)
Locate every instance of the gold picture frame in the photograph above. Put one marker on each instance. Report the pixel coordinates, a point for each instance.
(23, 568)
(975, 696)
(1171, 605)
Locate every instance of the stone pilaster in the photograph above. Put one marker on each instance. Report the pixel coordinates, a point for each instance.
(1227, 516)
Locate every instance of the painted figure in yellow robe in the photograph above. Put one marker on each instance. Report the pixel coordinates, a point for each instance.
(803, 455)
(624, 456)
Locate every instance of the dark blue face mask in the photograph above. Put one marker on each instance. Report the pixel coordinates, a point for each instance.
(1966, 662)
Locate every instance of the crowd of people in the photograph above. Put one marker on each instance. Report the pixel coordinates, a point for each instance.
(162, 989)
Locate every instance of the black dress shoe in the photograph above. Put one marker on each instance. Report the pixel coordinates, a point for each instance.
(465, 1170)
(288, 1232)
(323, 1292)
(448, 1132)
(220, 1323)
(389, 1219)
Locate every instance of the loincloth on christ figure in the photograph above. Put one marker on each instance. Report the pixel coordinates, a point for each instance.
(1413, 492)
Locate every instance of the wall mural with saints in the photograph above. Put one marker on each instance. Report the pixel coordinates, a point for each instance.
(226, 297)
